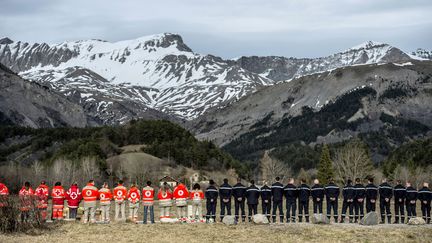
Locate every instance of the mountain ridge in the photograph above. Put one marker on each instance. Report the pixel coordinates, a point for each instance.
(161, 73)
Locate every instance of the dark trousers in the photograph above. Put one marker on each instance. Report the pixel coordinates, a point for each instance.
(385, 210)
(239, 206)
(25, 215)
(347, 206)
(252, 210)
(277, 205)
(411, 210)
(370, 206)
(359, 210)
(303, 210)
(426, 211)
(332, 205)
(225, 206)
(266, 208)
(291, 211)
(399, 211)
(318, 206)
(211, 209)
(146, 209)
(73, 213)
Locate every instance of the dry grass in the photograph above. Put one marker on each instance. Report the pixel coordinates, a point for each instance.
(300, 232)
(75, 232)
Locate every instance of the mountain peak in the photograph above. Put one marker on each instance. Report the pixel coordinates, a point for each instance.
(367, 45)
(164, 40)
(422, 54)
(6, 41)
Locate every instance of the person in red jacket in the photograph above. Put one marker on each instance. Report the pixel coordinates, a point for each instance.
(73, 197)
(105, 197)
(41, 193)
(197, 197)
(134, 197)
(26, 196)
(4, 193)
(90, 194)
(58, 197)
(148, 200)
(119, 195)
(181, 194)
(165, 201)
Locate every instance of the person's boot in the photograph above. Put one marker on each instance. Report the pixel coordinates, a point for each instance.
(336, 219)
(396, 220)
(300, 219)
(389, 219)
(402, 221)
(282, 219)
(382, 220)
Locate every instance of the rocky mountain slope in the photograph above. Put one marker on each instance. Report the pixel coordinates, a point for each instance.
(31, 104)
(159, 76)
(158, 72)
(283, 68)
(392, 100)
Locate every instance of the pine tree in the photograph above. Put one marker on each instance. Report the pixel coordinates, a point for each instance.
(325, 166)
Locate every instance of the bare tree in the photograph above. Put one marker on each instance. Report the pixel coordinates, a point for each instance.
(352, 161)
(402, 173)
(270, 168)
(416, 175)
(89, 169)
(38, 172)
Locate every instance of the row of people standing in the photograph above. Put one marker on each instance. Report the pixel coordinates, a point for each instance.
(356, 198)
(37, 200)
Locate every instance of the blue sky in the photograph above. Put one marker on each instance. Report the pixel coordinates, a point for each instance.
(227, 28)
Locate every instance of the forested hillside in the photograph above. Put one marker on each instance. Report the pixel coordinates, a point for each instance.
(163, 139)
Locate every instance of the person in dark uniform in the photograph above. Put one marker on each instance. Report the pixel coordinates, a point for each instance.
(252, 196)
(348, 194)
(386, 193)
(239, 195)
(360, 194)
(265, 193)
(303, 200)
(211, 195)
(277, 190)
(410, 200)
(291, 192)
(332, 192)
(399, 192)
(317, 193)
(425, 197)
(371, 196)
(225, 193)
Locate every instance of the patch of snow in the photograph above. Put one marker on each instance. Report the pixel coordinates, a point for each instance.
(403, 64)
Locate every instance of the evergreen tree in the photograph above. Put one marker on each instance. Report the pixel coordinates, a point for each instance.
(325, 166)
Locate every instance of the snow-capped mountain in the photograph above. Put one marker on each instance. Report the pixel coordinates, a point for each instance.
(283, 68)
(157, 75)
(422, 54)
(158, 72)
